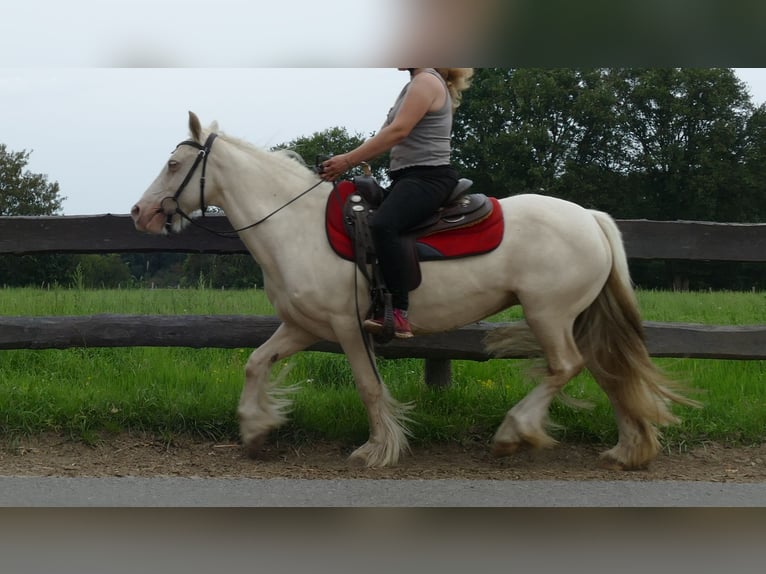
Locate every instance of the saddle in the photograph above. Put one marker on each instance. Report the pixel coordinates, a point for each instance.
(459, 209)
(427, 241)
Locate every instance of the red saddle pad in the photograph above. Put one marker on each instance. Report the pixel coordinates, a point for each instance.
(461, 242)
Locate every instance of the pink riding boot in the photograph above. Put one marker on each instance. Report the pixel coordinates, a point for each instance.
(401, 325)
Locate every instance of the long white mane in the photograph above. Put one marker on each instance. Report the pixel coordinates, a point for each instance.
(284, 158)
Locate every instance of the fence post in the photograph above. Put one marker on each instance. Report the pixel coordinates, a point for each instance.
(438, 373)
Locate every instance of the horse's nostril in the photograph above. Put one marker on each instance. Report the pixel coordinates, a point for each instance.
(135, 211)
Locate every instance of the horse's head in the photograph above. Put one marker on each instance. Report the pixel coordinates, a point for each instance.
(180, 187)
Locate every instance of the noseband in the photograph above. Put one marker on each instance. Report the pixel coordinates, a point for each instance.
(204, 151)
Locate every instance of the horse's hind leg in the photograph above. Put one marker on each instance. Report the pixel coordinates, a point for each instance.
(638, 443)
(639, 407)
(261, 406)
(525, 423)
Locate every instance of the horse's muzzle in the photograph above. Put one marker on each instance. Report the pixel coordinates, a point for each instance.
(148, 220)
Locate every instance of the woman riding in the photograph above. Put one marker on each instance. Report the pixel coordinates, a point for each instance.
(418, 132)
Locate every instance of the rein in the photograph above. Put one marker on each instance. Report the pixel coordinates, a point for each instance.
(204, 152)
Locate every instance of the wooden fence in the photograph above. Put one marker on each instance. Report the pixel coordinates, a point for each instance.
(695, 241)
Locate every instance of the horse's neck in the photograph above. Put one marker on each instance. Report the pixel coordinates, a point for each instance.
(256, 186)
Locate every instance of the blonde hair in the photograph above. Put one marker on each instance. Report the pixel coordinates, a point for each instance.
(458, 80)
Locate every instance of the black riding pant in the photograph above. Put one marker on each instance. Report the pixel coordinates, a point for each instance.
(415, 194)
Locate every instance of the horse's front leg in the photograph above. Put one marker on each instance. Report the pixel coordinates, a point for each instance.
(262, 405)
(387, 417)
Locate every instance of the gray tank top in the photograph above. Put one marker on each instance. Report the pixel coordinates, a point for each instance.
(429, 141)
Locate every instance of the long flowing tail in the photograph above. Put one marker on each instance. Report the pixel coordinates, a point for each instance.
(611, 337)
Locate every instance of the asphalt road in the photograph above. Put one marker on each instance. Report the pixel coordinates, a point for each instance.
(190, 492)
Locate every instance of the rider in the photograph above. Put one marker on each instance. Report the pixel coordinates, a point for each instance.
(418, 133)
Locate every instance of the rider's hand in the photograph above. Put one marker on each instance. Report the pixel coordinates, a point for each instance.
(335, 166)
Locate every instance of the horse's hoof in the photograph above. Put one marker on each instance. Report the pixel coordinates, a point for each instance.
(501, 449)
(254, 446)
(370, 456)
(608, 463)
(357, 461)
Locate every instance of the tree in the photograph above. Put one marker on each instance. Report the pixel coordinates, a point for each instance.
(23, 192)
(672, 143)
(486, 147)
(684, 136)
(26, 193)
(524, 130)
(102, 272)
(334, 141)
(232, 271)
(751, 206)
(163, 269)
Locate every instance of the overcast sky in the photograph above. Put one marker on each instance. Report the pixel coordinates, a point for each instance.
(104, 133)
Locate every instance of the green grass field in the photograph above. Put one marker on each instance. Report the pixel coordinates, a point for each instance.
(85, 393)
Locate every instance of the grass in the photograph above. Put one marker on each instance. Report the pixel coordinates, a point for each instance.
(171, 391)
(58, 301)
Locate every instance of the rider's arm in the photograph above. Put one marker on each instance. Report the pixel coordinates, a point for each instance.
(424, 94)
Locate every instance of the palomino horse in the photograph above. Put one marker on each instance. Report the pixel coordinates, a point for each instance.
(564, 264)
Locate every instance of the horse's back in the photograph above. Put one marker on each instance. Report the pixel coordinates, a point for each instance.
(541, 216)
(546, 207)
(549, 239)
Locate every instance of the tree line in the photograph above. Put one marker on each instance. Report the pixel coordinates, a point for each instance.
(657, 143)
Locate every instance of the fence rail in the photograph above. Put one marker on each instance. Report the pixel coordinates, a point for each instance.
(691, 240)
(242, 331)
(688, 240)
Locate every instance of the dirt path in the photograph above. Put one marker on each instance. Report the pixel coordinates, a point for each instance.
(129, 455)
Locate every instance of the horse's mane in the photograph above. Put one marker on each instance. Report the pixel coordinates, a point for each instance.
(290, 159)
(291, 153)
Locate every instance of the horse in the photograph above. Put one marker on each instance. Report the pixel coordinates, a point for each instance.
(564, 264)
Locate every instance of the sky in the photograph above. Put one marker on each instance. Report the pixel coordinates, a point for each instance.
(98, 90)
(104, 134)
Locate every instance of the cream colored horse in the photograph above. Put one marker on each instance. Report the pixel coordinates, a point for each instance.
(564, 264)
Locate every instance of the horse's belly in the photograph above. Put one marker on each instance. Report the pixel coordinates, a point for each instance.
(455, 293)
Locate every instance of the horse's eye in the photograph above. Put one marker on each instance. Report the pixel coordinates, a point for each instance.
(172, 165)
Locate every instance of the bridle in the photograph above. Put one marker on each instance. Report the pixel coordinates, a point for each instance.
(204, 152)
(202, 155)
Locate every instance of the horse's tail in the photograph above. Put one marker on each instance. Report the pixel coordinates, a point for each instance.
(610, 336)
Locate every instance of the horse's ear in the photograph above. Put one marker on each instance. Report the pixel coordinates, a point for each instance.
(214, 127)
(195, 127)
